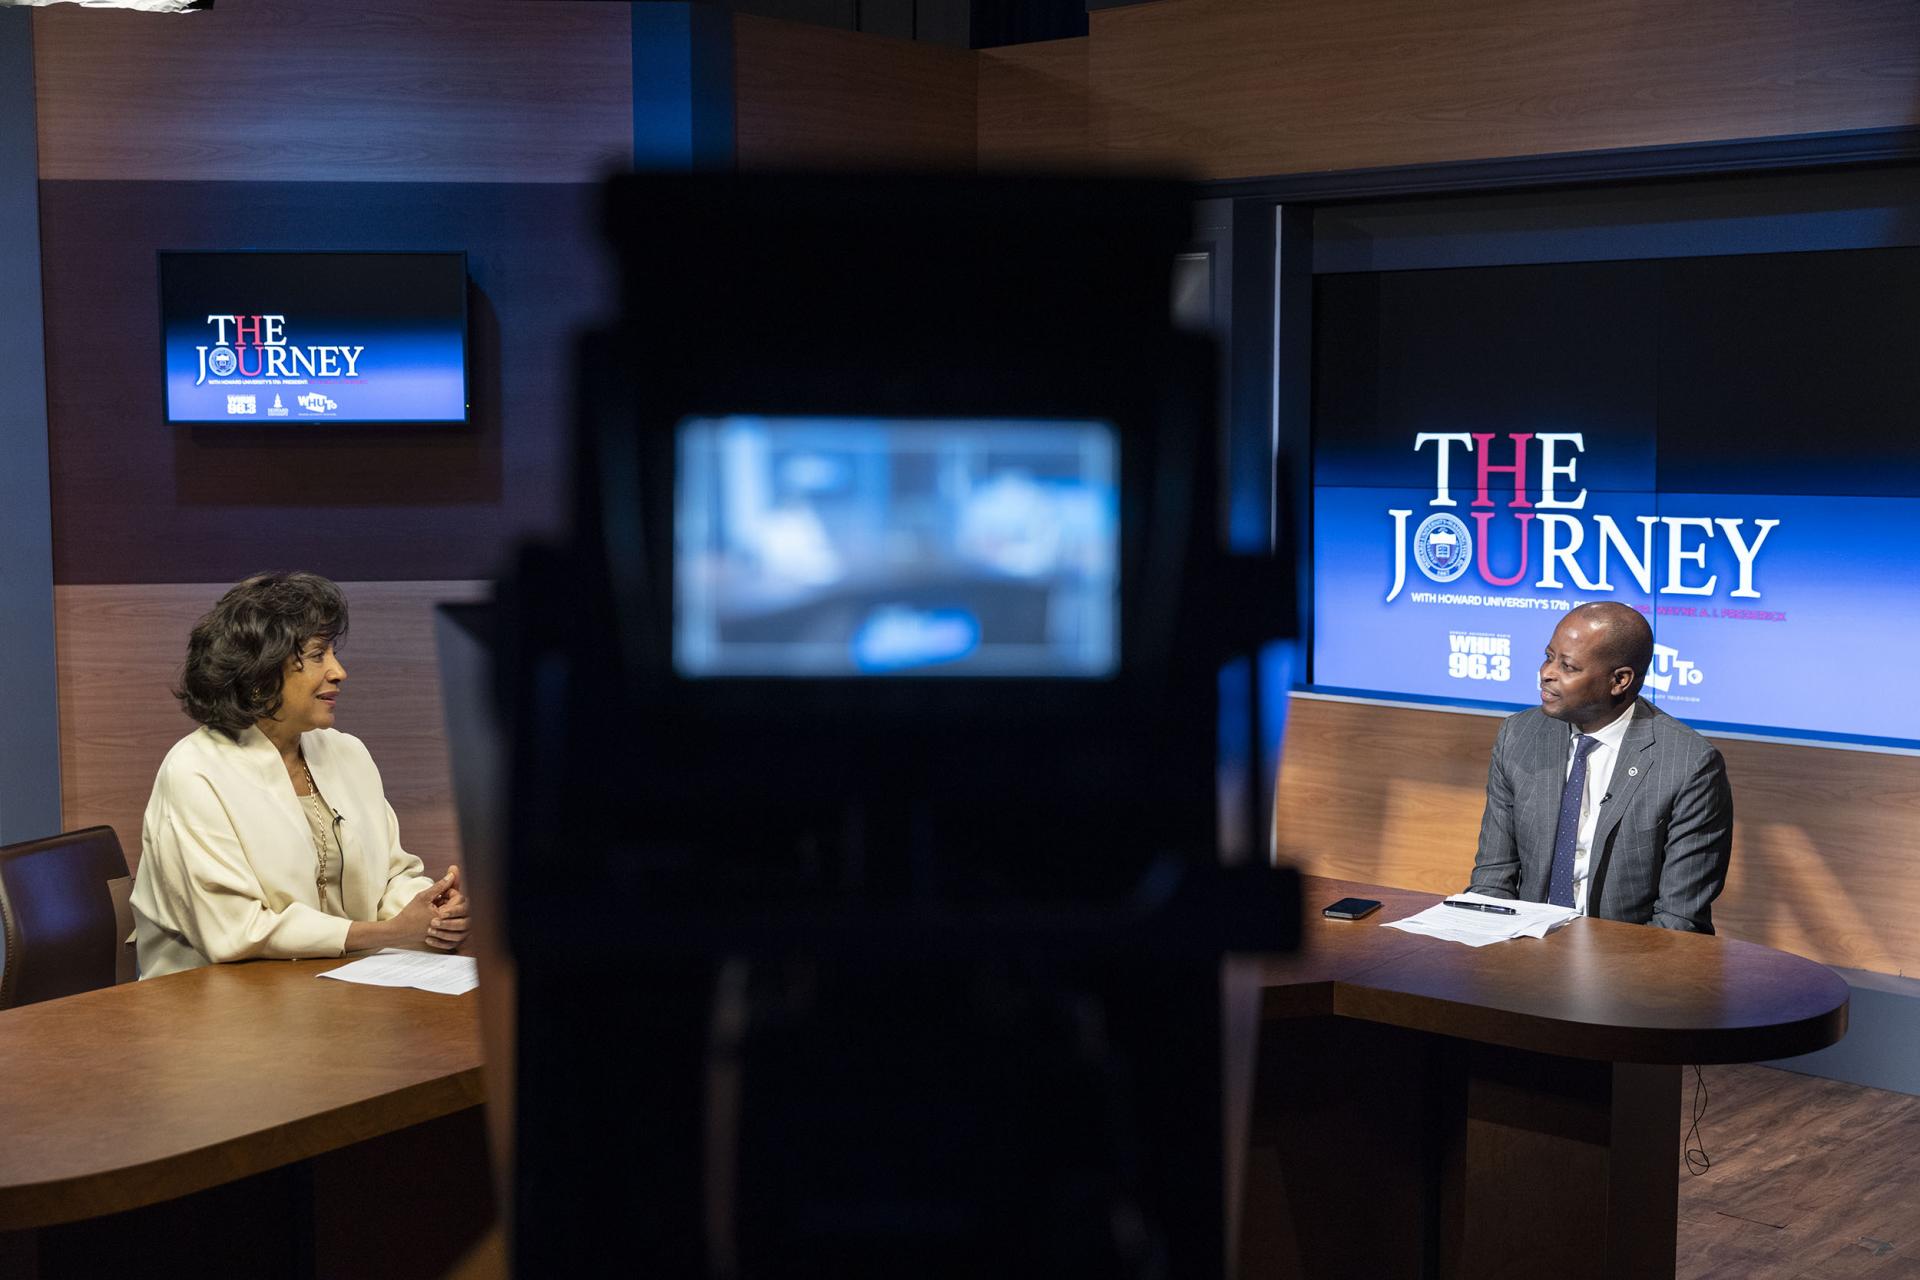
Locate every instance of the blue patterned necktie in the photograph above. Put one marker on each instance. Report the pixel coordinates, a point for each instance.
(1567, 834)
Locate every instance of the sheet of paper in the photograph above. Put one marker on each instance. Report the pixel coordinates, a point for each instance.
(448, 975)
(1479, 928)
(1434, 929)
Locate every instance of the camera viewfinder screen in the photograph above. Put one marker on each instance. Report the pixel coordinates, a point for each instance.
(836, 547)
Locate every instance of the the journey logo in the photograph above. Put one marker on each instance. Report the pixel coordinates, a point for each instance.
(1664, 553)
(251, 347)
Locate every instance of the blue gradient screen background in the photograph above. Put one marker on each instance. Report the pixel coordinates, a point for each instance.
(1757, 387)
(407, 311)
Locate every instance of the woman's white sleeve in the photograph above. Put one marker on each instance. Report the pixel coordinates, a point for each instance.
(217, 900)
(406, 875)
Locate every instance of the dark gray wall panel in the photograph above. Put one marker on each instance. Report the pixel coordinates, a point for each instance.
(29, 726)
(135, 500)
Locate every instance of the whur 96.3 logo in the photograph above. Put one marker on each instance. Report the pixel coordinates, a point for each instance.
(1479, 655)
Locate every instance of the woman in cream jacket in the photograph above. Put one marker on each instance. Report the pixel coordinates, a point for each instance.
(268, 834)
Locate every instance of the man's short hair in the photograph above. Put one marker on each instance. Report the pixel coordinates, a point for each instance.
(1626, 638)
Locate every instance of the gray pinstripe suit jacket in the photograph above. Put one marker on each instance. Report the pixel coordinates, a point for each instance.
(1666, 828)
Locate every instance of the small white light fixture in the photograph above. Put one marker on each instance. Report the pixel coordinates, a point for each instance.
(145, 6)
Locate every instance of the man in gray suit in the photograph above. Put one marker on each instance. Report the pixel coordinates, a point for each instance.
(1599, 801)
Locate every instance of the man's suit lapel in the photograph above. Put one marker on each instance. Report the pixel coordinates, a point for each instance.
(1629, 771)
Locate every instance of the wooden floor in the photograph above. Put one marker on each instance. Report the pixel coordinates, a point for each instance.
(1810, 1178)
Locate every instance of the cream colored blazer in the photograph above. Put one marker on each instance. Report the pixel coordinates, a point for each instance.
(227, 860)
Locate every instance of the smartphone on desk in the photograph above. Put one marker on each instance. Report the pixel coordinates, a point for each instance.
(1351, 908)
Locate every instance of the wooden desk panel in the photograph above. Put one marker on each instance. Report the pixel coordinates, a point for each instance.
(1440, 1097)
(1594, 989)
(135, 1094)
(1423, 1107)
(1307, 982)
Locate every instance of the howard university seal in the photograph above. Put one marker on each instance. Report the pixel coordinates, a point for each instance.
(1442, 547)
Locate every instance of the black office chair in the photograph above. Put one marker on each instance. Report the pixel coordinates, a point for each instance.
(59, 915)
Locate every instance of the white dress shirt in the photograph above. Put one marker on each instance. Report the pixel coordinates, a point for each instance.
(1600, 761)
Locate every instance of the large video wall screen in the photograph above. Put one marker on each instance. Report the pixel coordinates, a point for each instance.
(1725, 443)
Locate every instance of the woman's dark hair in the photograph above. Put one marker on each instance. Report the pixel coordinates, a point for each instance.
(237, 654)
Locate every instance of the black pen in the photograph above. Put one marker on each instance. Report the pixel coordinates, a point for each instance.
(1483, 906)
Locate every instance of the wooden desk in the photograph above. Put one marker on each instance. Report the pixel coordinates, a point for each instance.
(227, 1088)
(1426, 1108)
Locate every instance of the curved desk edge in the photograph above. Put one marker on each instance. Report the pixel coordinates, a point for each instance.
(1595, 989)
(1598, 1041)
(45, 1204)
(138, 1094)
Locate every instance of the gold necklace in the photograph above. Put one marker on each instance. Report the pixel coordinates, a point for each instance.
(314, 803)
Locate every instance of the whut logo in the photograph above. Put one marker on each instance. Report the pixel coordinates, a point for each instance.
(314, 402)
(240, 404)
(1670, 669)
(1479, 655)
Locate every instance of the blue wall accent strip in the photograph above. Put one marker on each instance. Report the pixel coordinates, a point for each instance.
(712, 61)
(30, 729)
(682, 87)
(1279, 667)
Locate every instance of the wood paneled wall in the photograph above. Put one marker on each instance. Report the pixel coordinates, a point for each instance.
(1245, 88)
(304, 124)
(1821, 838)
(1035, 105)
(371, 91)
(120, 650)
(809, 96)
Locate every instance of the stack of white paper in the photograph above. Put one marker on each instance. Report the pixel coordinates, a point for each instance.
(1478, 928)
(429, 971)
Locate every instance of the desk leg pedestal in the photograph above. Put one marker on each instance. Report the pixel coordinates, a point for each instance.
(1559, 1166)
(1376, 1151)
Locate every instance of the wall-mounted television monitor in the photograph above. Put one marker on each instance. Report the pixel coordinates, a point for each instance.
(845, 547)
(262, 339)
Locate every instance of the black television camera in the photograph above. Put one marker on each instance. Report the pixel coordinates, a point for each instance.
(862, 860)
